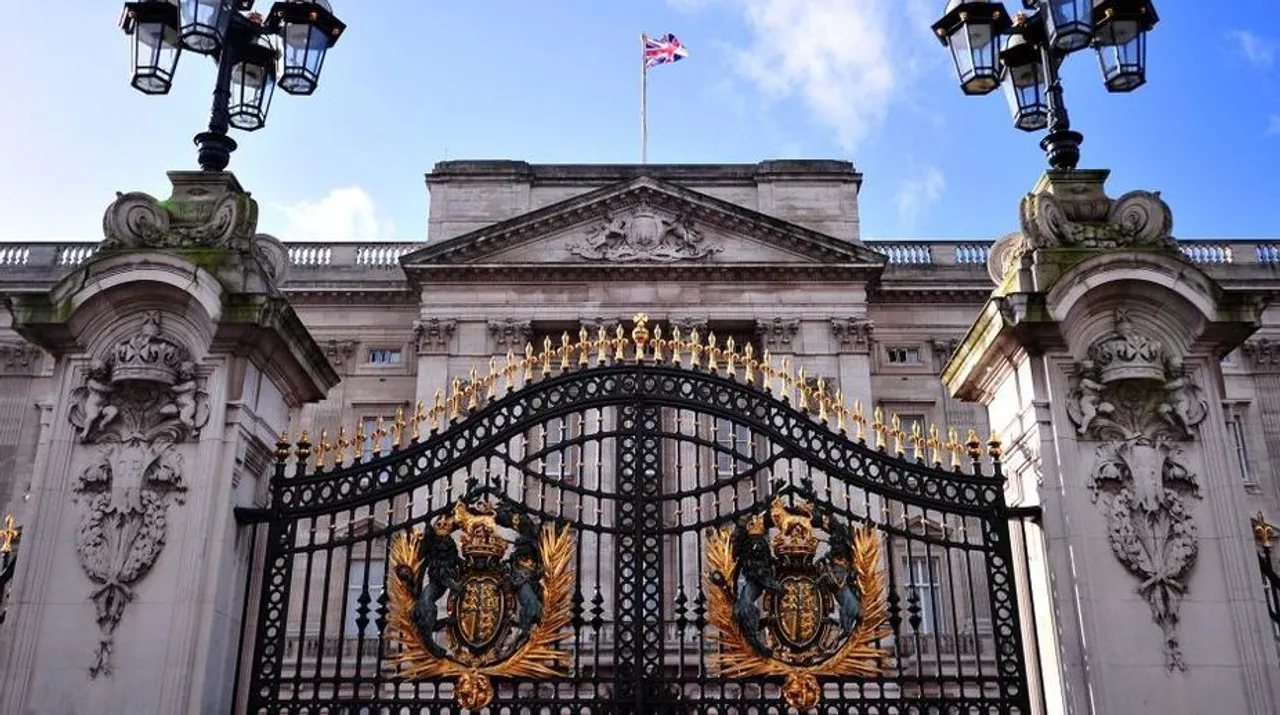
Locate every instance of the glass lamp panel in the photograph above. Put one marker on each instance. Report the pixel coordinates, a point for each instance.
(1123, 62)
(1069, 24)
(973, 49)
(252, 84)
(156, 47)
(203, 24)
(305, 46)
(1024, 89)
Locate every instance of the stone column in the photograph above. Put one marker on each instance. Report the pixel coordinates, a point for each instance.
(853, 339)
(1097, 356)
(177, 363)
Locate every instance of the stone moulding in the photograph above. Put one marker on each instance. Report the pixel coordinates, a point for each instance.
(138, 401)
(1134, 396)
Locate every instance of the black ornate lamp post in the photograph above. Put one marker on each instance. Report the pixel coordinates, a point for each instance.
(253, 53)
(1034, 46)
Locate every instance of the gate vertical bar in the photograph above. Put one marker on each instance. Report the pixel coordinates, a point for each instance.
(1006, 630)
(638, 655)
(273, 601)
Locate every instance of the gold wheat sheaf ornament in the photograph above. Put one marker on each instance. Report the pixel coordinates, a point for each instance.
(483, 629)
(799, 645)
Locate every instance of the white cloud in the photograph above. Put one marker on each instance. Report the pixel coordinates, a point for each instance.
(916, 193)
(846, 59)
(345, 214)
(1260, 51)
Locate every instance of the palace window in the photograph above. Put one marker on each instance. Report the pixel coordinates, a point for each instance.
(732, 439)
(902, 355)
(362, 596)
(924, 592)
(384, 356)
(1235, 428)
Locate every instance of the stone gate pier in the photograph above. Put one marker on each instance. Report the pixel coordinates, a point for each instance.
(1098, 354)
(177, 363)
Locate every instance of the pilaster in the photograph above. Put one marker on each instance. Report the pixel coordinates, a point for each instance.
(176, 362)
(1097, 357)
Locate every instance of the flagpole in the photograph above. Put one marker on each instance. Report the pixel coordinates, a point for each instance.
(644, 104)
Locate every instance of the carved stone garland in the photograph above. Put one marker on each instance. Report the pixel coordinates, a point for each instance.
(138, 401)
(1135, 397)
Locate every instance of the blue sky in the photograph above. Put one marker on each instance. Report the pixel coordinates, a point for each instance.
(414, 82)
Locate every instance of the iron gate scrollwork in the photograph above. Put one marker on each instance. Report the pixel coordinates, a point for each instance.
(649, 466)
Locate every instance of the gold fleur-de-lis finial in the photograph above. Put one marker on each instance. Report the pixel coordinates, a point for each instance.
(640, 334)
(9, 535)
(1264, 534)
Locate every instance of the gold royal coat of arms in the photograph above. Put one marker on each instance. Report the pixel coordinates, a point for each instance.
(780, 610)
(507, 601)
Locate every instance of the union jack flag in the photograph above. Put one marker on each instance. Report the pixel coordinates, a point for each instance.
(663, 50)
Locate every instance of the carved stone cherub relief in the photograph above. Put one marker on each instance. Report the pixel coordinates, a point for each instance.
(137, 402)
(1135, 397)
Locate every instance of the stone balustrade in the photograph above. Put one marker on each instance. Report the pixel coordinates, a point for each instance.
(373, 261)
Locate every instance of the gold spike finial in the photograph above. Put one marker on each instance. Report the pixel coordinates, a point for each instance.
(378, 434)
(860, 419)
(994, 446)
(1264, 534)
(730, 357)
(953, 444)
(419, 414)
(602, 345)
(322, 451)
(917, 451)
(974, 445)
(896, 431)
(640, 334)
(397, 428)
(935, 446)
(658, 345)
(437, 409)
(529, 361)
(619, 344)
(837, 406)
(677, 345)
(473, 390)
(713, 353)
(695, 348)
(584, 346)
(878, 427)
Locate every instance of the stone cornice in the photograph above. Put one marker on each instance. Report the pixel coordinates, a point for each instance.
(728, 272)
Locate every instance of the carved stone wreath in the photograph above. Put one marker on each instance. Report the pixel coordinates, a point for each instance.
(137, 402)
(1135, 398)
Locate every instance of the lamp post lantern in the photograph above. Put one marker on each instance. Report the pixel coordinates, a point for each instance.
(253, 54)
(1023, 53)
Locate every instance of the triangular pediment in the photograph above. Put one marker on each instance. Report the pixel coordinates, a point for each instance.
(643, 222)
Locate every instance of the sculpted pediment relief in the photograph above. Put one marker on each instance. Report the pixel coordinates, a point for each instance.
(643, 222)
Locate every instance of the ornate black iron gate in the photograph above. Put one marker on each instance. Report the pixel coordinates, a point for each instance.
(684, 476)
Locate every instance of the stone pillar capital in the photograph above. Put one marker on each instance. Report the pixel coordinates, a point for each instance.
(776, 335)
(19, 358)
(853, 335)
(434, 335)
(510, 335)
